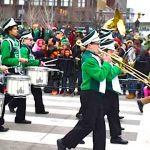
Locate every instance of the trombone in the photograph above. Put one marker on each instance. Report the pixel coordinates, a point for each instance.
(117, 60)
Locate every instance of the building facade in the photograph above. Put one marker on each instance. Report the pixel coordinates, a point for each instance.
(75, 12)
(54, 11)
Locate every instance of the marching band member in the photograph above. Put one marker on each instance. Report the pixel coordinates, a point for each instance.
(11, 58)
(111, 98)
(94, 74)
(26, 39)
(4, 69)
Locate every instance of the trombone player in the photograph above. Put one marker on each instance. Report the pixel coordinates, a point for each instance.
(93, 87)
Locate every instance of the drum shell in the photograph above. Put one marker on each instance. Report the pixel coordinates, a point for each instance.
(1, 103)
(38, 75)
(18, 85)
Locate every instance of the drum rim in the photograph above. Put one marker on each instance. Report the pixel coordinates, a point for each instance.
(37, 68)
(18, 77)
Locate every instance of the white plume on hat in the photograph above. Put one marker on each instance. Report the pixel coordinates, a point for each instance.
(91, 37)
(9, 23)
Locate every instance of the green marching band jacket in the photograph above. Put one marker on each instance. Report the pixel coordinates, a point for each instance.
(26, 53)
(10, 51)
(96, 75)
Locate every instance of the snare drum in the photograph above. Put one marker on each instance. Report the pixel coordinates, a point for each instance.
(18, 85)
(38, 75)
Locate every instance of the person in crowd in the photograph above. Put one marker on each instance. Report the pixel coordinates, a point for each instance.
(72, 38)
(79, 34)
(129, 35)
(146, 66)
(3, 69)
(38, 48)
(94, 74)
(143, 101)
(132, 87)
(53, 54)
(11, 57)
(146, 91)
(67, 65)
(36, 32)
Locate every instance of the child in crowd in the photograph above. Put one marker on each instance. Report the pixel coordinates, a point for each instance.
(67, 65)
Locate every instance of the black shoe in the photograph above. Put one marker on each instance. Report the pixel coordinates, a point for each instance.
(23, 122)
(122, 128)
(11, 109)
(140, 105)
(79, 116)
(60, 145)
(82, 142)
(121, 117)
(42, 112)
(2, 129)
(118, 140)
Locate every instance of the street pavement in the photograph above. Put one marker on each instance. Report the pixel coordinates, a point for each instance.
(46, 129)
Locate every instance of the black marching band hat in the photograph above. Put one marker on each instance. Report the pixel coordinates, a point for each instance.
(9, 23)
(26, 34)
(93, 36)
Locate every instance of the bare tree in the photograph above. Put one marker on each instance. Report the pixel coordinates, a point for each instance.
(6, 12)
(47, 15)
(32, 13)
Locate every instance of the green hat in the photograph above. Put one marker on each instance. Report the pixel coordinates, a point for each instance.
(65, 41)
(78, 30)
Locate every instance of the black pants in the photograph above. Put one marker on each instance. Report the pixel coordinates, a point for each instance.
(19, 103)
(111, 106)
(37, 94)
(93, 120)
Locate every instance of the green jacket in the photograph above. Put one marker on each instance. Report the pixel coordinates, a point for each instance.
(10, 51)
(115, 71)
(26, 53)
(93, 72)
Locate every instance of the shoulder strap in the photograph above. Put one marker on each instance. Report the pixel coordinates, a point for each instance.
(10, 41)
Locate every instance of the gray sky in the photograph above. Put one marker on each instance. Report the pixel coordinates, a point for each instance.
(142, 6)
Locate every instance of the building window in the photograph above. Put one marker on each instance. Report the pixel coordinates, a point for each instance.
(37, 2)
(21, 2)
(51, 2)
(66, 3)
(8, 2)
(81, 3)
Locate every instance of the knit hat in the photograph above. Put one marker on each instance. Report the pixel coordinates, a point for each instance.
(91, 37)
(26, 34)
(79, 31)
(9, 23)
(65, 41)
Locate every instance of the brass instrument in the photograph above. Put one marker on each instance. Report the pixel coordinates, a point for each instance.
(116, 23)
(117, 60)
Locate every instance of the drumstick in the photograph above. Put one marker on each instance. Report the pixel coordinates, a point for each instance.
(50, 65)
(10, 67)
(50, 61)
